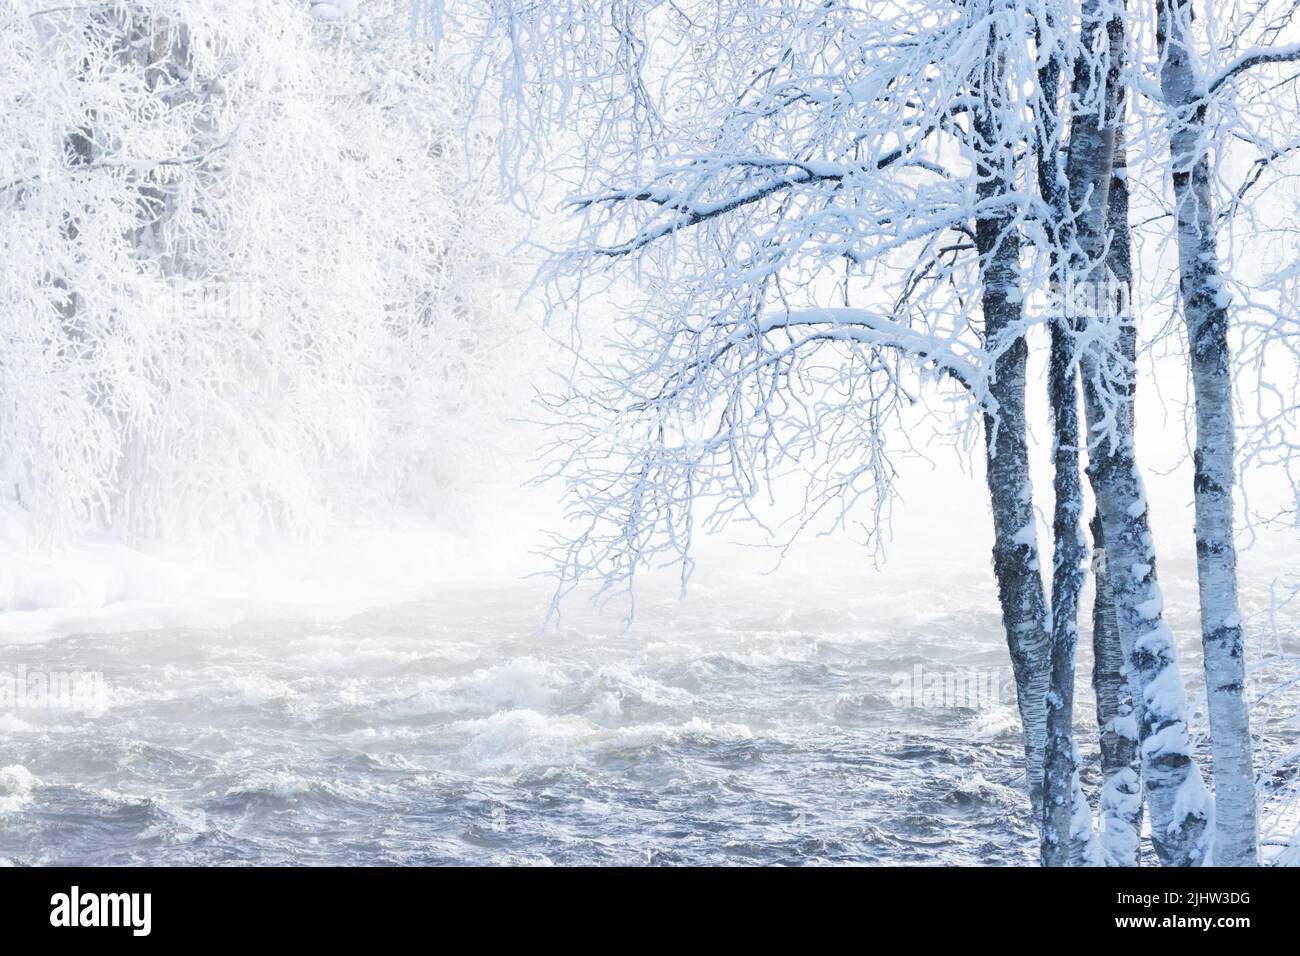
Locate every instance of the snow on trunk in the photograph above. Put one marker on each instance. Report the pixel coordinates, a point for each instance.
(1205, 310)
(1121, 769)
(1120, 807)
(1067, 819)
(1181, 808)
(1015, 550)
(1067, 834)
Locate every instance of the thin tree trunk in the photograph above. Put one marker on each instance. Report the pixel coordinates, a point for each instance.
(1067, 833)
(1121, 770)
(1067, 819)
(1181, 808)
(1205, 309)
(1015, 549)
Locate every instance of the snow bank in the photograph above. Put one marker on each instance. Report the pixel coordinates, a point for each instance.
(98, 583)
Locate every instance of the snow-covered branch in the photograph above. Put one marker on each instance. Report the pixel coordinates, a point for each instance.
(1256, 56)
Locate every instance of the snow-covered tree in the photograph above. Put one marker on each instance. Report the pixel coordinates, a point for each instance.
(248, 264)
(823, 208)
(823, 219)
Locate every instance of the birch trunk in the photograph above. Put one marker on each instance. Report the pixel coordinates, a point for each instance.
(1120, 806)
(1067, 819)
(1015, 549)
(1121, 770)
(1205, 310)
(1067, 833)
(1181, 809)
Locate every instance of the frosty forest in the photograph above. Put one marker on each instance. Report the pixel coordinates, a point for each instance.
(598, 431)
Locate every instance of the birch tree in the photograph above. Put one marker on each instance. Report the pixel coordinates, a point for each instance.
(1067, 820)
(1120, 802)
(1015, 555)
(1205, 303)
(1181, 809)
(825, 201)
(820, 218)
(1247, 67)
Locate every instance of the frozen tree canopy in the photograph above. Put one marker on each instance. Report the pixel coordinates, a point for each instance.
(246, 264)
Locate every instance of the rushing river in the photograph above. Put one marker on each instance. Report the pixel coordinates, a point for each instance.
(737, 727)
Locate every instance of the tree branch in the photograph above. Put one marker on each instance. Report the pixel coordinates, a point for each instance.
(1256, 56)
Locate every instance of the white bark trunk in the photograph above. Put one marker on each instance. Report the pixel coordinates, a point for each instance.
(1121, 769)
(1181, 809)
(1205, 309)
(1120, 835)
(1015, 549)
(1067, 832)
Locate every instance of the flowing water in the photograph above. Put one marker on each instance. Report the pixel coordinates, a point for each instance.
(747, 725)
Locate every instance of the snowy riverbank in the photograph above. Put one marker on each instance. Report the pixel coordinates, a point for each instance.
(98, 583)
